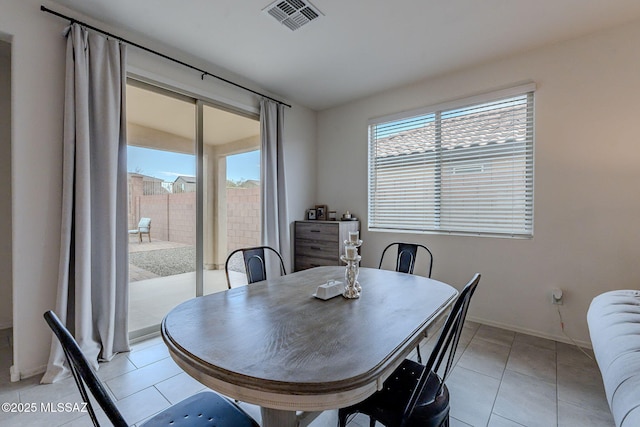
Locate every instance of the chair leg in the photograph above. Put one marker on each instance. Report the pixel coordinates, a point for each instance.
(139, 237)
(342, 418)
(343, 415)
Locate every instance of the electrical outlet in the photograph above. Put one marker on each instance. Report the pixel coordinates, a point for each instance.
(557, 296)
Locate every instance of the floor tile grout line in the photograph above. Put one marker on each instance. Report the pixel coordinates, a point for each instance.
(534, 377)
(145, 388)
(493, 405)
(163, 396)
(557, 386)
(160, 391)
(149, 363)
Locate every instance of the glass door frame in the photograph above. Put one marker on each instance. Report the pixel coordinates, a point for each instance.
(199, 102)
(199, 198)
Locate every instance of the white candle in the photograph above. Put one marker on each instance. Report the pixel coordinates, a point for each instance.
(354, 236)
(351, 252)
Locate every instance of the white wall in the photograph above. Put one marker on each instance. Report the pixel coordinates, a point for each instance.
(6, 315)
(38, 77)
(300, 165)
(587, 157)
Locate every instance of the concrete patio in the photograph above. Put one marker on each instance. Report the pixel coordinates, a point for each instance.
(151, 296)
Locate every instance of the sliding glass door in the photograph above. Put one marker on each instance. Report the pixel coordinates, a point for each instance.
(195, 205)
(162, 192)
(231, 190)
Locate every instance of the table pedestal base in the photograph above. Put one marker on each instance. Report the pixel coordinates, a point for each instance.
(280, 418)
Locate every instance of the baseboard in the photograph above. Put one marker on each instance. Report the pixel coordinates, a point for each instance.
(6, 325)
(560, 338)
(143, 335)
(17, 376)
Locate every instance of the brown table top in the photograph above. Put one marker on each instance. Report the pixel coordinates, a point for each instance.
(274, 336)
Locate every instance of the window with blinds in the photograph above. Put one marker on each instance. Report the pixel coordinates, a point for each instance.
(461, 168)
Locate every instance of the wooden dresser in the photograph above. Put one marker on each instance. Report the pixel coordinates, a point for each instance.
(319, 243)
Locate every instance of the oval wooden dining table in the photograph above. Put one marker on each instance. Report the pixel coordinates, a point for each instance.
(275, 345)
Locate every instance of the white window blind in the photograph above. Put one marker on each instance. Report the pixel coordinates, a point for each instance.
(463, 168)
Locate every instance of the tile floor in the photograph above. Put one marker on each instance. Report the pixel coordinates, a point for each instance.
(501, 379)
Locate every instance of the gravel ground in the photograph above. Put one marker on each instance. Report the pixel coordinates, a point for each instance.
(167, 262)
(236, 263)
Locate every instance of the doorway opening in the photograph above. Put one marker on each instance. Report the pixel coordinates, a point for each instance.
(181, 214)
(6, 261)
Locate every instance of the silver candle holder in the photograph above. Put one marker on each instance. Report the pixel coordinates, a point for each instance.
(352, 287)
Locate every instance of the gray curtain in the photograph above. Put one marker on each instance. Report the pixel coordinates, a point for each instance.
(275, 221)
(92, 297)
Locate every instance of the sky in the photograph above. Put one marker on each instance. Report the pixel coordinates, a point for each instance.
(244, 166)
(168, 165)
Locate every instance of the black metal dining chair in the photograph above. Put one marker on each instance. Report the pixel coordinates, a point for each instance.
(203, 409)
(406, 257)
(255, 263)
(416, 395)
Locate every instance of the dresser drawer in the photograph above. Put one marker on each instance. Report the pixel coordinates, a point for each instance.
(317, 248)
(318, 231)
(303, 262)
(320, 243)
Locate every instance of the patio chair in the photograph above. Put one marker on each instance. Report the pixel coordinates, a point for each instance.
(255, 263)
(144, 227)
(414, 394)
(202, 409)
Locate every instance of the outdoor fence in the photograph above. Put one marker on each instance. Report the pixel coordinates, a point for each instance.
(243, 217)
(173, 215)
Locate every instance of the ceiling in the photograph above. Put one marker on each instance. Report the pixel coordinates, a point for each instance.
(175, 116)
(359, 47)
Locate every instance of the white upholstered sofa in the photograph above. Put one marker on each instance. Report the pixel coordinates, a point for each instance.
(614, 326)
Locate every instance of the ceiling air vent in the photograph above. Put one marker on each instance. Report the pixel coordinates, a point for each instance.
(293, 14)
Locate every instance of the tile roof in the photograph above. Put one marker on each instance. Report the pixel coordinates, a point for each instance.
(494, 126)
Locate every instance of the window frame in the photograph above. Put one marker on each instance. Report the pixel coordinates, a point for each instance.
(436, 110)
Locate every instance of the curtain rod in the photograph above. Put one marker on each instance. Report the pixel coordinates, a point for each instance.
(201, 71)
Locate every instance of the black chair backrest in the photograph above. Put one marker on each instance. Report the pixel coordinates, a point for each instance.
(406, 257)
(84, 374)
(445, 346)
(255, 263)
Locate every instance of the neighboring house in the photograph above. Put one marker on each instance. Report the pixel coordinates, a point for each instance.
(151, 186)
(421, 137)
(184, 184)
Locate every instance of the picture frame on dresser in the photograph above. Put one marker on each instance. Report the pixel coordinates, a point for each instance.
(321, 212)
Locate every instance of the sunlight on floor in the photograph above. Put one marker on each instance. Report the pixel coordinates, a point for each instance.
(150, 300)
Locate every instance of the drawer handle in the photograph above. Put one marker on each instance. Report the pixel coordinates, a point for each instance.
(315, 231)
(315, 248)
